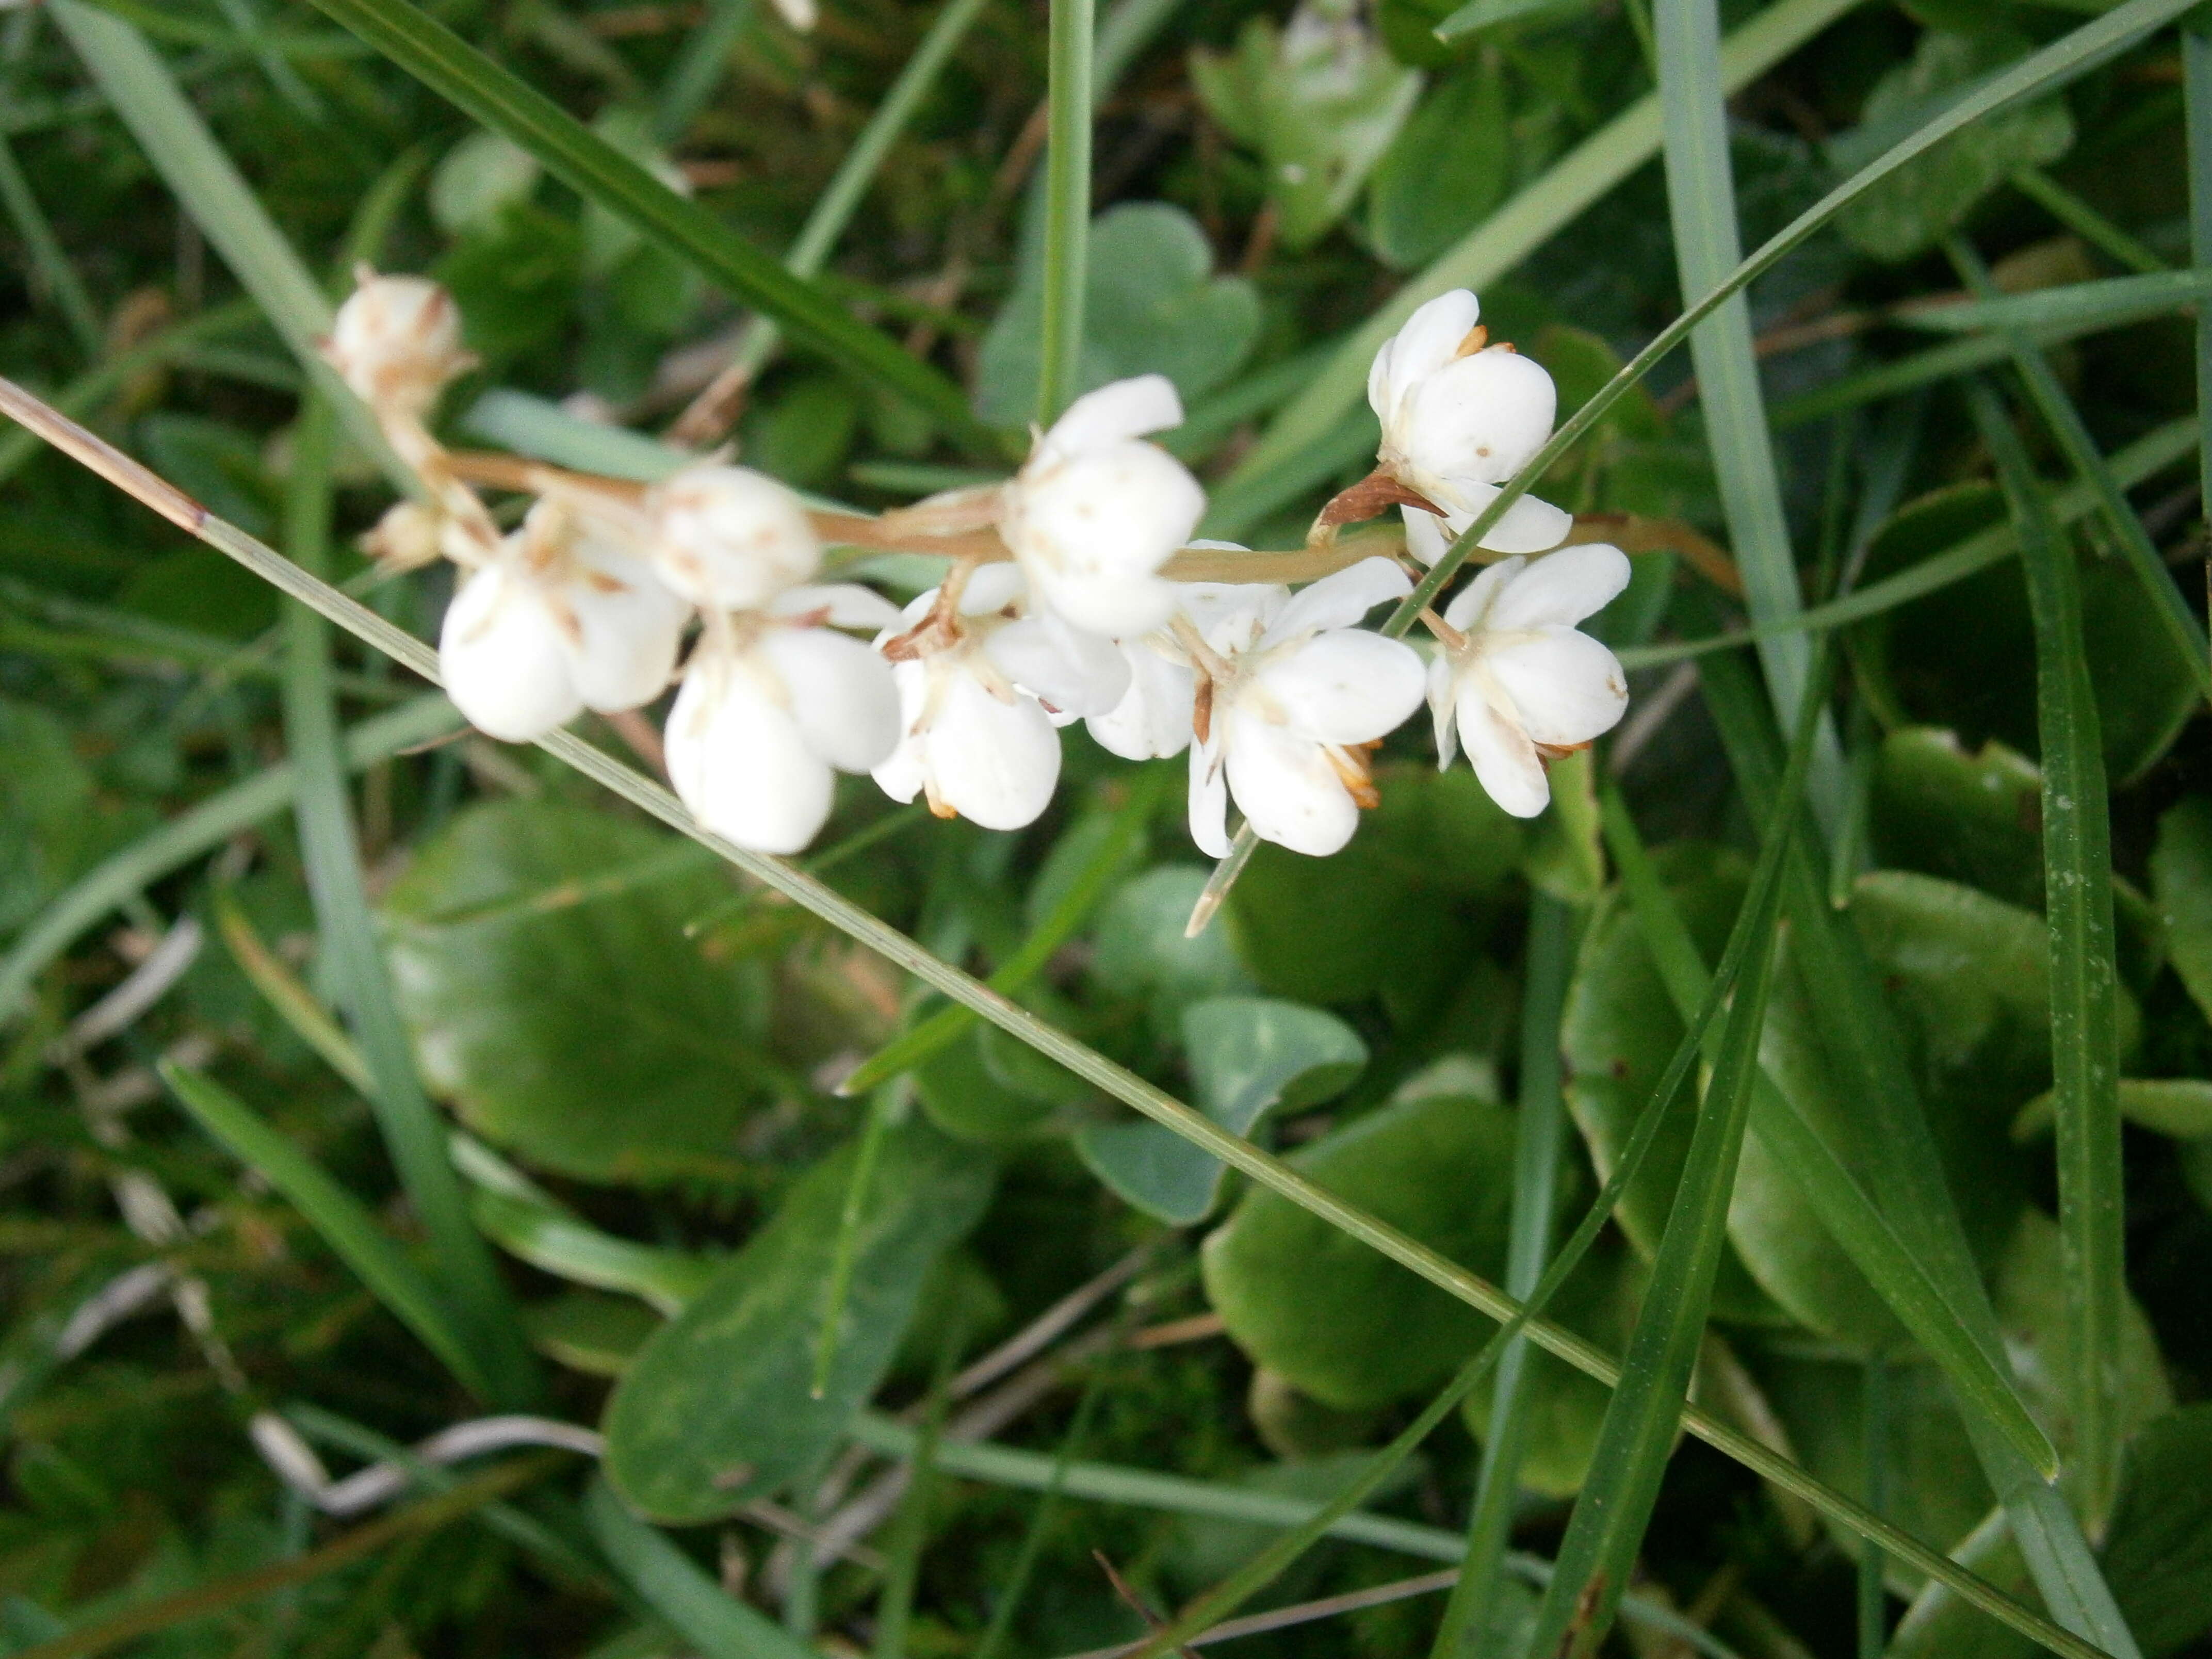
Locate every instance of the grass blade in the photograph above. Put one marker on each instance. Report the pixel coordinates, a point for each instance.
(1018, 1023)
(341, 1220)
(1068, 205)
(2084, 220)
(1606, 1528)
(2197, 80)
(1108, 860)
(718, 1626)
(47, 259)
(413, 1134)
(205, 827)
(458, 72)
(2110, 302)
(283, 990)
(1875, 1444)
(699, 68)
(2064, 60)
(1535, 1194)
(2064, 422)
(1708, 246)
(202, 177)
(2084, 1017)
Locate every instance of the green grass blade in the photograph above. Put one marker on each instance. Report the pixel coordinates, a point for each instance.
(2084, 220)
(458, 72)
(553, 1241)
(699, 68)
(834, 209)
(2064, 60)
(1708, 247)
(202, 178)
(284, 992)
(341, 1220)
(2197, 80)
(200, 829)
(1015, 1585)
(718, 1626)
(2078, 862)
(1066, 205)
(2064, 422)
(1536, 1152)
(51, 264)
(1547, 205)
(413, 1134)
(883, 1111)
(2109, 303)
(1610, 1515)
(1875, 1448)
(1018, 1023)
(1108, 861)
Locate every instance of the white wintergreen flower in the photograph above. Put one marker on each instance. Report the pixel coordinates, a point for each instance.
(774, 703)
(1525, 684)
(1096, 511)
(1292, 692)
(1459, 418)
(730, 539)
(974, 740)
(397, 341)
(1152, 719)
(562, 620)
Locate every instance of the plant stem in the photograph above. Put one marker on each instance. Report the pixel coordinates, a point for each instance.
(1067, 206)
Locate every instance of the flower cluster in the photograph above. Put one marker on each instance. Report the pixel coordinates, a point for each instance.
(1060, 603)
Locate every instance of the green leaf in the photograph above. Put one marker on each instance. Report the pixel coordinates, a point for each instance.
(1446, 170)
(1320, 100)
(602, 175)
(716, 1409)
(2158, 1552)
(50, 829)
(1152, 305)
(596, 1334)
(1923, 201)
(595, 1040)
(342, 1219)
(710, 1619)
(555, 1240)
(1975, 818)
(478, 179)
(1248, 1056)
(1141, 949)
(2181, 885)
(2178, 1106)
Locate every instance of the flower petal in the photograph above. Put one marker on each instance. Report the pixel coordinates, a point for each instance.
(1209, 799)
(1423, 346)
(1153, 719)
(839, 693)
(1075, 673)
(847, 604)
(1561, 588)
(1443, 691)
(628, 629)
(502, 658)
(1345, 686)
(729, 538)
(1113, 414)
(741, 763)
(1505, 762)
(1339, 600)
(1288, 789)
(1090, 531)
(994, 762)
(1427, 538)
(1470, 607)
(1480, 417)
(1566, 686)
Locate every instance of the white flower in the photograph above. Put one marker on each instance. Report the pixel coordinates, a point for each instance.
(975, 743)
(562, 620)
(730, 539)
(1293, 693)
(1525, 683)
(1096, 511)
(1152, 719)
(772, 701)
(1459, 418)
(397, 341)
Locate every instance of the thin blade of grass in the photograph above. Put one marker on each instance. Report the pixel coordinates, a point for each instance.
(1016, 1583)
(1708, 246)
(1538, 1137)
(458, 72)
(1108, 860)
(1018, 1023)
(413, 1134)
(2109, 303)
(2084, 220)
(47, 258)
(2197, 82)
(2084, 1016)
(883, 1112)
(1067, 204)
(1874, 1432)
(720, 1626)
(341, 1220)
(1606, 1528)
(2064, 60)
(146, 97)
(1907, 1178)
(2064, 421)
(699, 68)
(119, 878)
(283, 991)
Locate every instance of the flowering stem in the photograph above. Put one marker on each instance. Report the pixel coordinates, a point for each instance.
(1067, 206)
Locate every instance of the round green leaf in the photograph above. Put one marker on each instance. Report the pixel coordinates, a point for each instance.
(1975, 818)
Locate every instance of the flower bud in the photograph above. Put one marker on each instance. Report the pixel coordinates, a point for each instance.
(727, 538)
(397, 341)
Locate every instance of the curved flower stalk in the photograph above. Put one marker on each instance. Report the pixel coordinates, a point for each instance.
(562, 618)
(1520, 684)
(1096, 511)
(774, 703)
(1461, 417)
(1291, 696)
